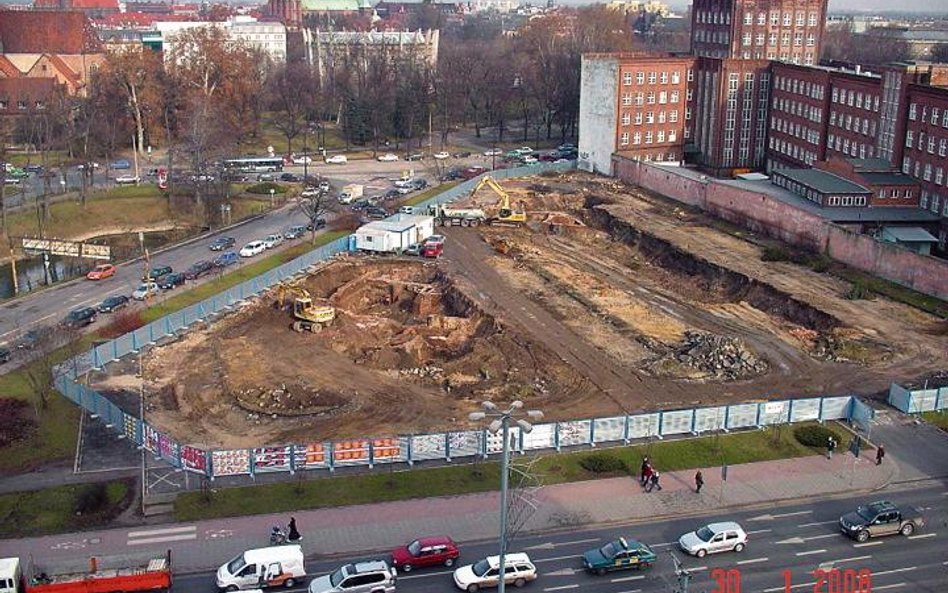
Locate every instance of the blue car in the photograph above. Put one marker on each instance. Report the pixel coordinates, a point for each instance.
(121, 164)
(228, 258)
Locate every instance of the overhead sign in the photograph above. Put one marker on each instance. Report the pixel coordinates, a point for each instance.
(67, 248)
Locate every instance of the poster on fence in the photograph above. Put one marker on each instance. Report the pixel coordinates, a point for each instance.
(311, 456)
(427, 446)
(151, 439)
(130, 427)
(231, 463)
(386, 450)
(573, 433)
(272, 459)
(350, 452)
(193, 459)
(464, 444)
(167, 448)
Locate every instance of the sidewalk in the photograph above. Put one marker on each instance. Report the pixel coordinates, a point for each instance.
(205, 544)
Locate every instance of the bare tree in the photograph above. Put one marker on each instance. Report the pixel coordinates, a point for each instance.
(315, 208)
(291, 100)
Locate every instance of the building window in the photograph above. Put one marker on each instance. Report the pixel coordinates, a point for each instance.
(661, 136)
(689, 94)
(637, 138)
(638, 118)
(624, 139)
(4, 105)
(640, 99)
(772, 39)
(661, 117)
(787, 19)
(649, 117)
(811, 21)
(627, 99)
(651, 78)
(909, 138)
(674, 97)
(673, 116)
(944, 118)
(648, 137)
(651, 98)
(688, 113)
(927, 176)
(801, 19)
(939, 175)
(931, 145)
(691, 77)
(942, 147)
(746, 39)
(798, 39)
(775, 17)
(627, 79)
(626, 119)
(21, 105)
(748, 18)
(935, 113)
(663, 78)
(639, 78)
(785, 40)
(676, 77)
(913, 111)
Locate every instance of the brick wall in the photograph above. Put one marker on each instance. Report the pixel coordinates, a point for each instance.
(764, 214)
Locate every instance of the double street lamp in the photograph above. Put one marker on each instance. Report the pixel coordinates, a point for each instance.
(501, 423)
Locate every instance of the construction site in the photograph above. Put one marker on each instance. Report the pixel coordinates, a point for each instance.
(606, 301)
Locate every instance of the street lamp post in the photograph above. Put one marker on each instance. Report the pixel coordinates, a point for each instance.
(272, 191)
(501, 423)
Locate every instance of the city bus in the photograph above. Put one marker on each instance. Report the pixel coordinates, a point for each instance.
(255, 164)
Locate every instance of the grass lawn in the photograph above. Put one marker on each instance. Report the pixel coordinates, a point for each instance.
(57, 510)
(894, 291)
(382, 486)
(939, 419)
(21, 159)
(428, 193)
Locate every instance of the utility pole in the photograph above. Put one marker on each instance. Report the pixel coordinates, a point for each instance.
(682, 574)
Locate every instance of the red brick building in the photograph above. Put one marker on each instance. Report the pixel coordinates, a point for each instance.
(924, 152)
(91, 8)
(638, 105)
(889, 187)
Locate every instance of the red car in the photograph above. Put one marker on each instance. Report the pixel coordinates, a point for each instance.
(101, 272)
(426, 551)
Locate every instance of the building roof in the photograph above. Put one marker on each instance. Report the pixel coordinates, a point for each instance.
(871, 165)
(46, 31)
(909, 234)
(371, 37)
(335, 5)
(890, 178)
(822, 181)
(389, 226)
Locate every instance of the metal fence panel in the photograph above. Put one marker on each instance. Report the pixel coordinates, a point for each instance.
(741, 416)
(773, 413)
(608, 430)
(805, 409)
(428, 446)
(272, 459)
(311, 456)
(835, 408)
(923, 400)
(707, 419)
(543, 436)
(677, 422)
(351, 452)
(233, 462)
(495, 442)
(899, 397)
(573, 433)
(644, 426)
(465, 444)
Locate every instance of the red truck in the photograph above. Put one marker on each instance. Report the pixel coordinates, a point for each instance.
(100, 575)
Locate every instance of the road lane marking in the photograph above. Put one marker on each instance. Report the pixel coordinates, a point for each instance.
(752, 561)
(810, 553)
(562, 587)
(831, 563)
(554, 559)
(407, 577)
(797, 586)
(770, 517)
(698, 568)
(815, 523)
(867, 544)
(892, 586)
(626, 579)
(759, 531)
(894, 570)
(922, 536)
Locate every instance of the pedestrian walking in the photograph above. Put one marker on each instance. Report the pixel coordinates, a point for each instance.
(880, 453)
(293, 534)
(645, 471)
(654, 481)
(699, 481)
(830, 447)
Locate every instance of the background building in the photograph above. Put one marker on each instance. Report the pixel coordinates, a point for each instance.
(268, 37)
(326, 50)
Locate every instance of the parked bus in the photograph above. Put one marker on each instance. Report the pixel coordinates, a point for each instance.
(255, 164)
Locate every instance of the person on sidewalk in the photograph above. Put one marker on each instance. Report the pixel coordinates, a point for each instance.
(699, 481)
(293, 534)
(654, 481)
(830, 447)
(645, 471)
(880, 453)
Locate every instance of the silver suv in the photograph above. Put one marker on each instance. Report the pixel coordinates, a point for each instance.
(374, 576)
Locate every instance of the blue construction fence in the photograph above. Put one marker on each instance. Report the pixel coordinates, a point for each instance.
(916, 401)
(401, 449)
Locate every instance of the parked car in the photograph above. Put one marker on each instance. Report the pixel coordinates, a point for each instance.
(415, 156)
(310, 192)
(121, 164)
(442, 155)
(518, 571)
(726, 536)
(145, 290)
(472, 172)
(337, 159)
(302, 159)
(376, 213)
(266, 177)
(289, 177)
(390, 194)
(462, 155)
(271, 241)
(325, 186)
(33, 169)
(387, 158)
(170, 281)
(126, 179)
(360, 204)
(198, 269)
(881, 518)
(529, 159)
(405, 190)
(84, 166)
(320, 223)
(413, 249)
(620, 554)
(228, 258)
(419, 184)
(253, 248)
(4, 355)
(435, 239)
(524, 150)
(222, 243)
(373, 576)
(80, 317)
(494, 152)
(567, 147)
(101, 272)
(157, 272)
(425, 551)
(112, 303)
(295, 232)
(549, 157)
(34, 337)
(406, 210)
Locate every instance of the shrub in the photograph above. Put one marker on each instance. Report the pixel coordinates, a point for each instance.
(123, 322)
(774, 254)
(820, 264)
(813, 436)
(857, 292)
(92, 498)
(264, 188)
(602, 463)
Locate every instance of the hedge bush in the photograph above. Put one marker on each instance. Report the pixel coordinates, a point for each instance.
(602, 463)
(813, 436)
(265, 187)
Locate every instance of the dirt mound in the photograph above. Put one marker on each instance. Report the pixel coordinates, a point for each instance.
(719, 357)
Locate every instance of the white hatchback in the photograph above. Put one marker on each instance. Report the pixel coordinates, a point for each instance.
(387, 158)
(486, 572)
(253, 248)
(726, 536)
(337, 159)
(441, 155)
(271, 241)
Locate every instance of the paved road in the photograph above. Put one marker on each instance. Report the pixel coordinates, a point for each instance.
(48, 306)
(795, 538)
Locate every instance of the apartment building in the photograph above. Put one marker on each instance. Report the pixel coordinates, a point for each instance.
(638, 105)
(925, 149)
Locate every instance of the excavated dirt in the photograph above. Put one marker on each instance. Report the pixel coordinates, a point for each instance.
(608, 301)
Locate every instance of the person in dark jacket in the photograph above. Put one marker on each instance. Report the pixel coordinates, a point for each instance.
(699, 481)
(293, 534)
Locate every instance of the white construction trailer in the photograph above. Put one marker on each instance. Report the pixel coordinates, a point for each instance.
(394, 234)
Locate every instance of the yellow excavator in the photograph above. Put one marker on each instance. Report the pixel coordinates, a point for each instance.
(306, 315)
(506, 215)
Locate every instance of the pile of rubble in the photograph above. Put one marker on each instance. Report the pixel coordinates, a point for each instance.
(283, 401)
(427, 371)
(718, 356)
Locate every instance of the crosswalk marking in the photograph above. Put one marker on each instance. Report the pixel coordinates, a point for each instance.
(161, 536)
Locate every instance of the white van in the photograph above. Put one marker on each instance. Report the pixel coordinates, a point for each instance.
(10, 575)
(264, 567)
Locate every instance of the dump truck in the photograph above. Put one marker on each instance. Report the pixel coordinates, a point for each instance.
(97, 575)
(449, 216)
(350, 193)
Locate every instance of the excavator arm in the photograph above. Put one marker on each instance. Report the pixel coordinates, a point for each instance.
(285, 290)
